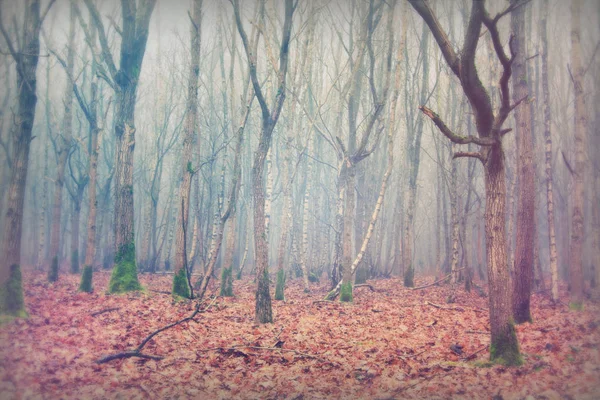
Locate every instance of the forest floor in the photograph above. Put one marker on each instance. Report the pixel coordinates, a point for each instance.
(392, 343)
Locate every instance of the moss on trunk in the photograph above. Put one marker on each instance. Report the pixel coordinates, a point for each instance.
(181, 287)
(280, 286)
(75, 262)
(124, 275)
(53, 271)
(346, 292)
(409, 277)
(11, 295)
(227, 282)
(504, 348)
(86, 279)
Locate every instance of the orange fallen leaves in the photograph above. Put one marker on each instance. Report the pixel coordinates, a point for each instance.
(389, 343)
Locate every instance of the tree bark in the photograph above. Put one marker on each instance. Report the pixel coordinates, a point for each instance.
(26, 57)
(581, 126)
(525, 243)
(180, 281)
(548, 155)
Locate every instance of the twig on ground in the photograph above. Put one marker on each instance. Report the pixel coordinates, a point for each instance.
(365, 285)
(94, 314)
(436, 282)
(472, 355)
(481, 332)
(445, 308)
(137, 352)
(243, 346)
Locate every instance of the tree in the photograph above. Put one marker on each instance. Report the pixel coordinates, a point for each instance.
(124, 81)
(62, 146)
(525, 244)
(26, 56)
(180, 279)
(270, 115)
(504, 343)
(548, 155)
(579, 136)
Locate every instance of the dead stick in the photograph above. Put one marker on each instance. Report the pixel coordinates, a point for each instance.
(365, 285)
(265, 348)
(438, 281)
(469, 357)
(482, 332)
(137, 351)
(445, 308)
(94, 314)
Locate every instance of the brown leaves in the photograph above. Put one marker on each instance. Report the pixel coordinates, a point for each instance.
(389, 343)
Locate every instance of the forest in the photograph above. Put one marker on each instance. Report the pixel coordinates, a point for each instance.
(300, 199)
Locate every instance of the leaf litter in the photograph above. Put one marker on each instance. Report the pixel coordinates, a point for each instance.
(391, 343)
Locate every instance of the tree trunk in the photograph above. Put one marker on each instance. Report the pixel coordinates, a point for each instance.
(525, 243)
(548, 155)
(504, 339)
(11, 289)
(63, 145)
(180, 279)
(581, 125)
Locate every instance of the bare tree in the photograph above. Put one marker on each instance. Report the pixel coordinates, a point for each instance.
(270, 115)
(525, 244)
(124, 81)
(180, 279)
(25, 51)
(504, 343)
(580, 132)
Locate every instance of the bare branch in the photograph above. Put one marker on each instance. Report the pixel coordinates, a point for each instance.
(466, 154)
(106, 54)
(451, 135)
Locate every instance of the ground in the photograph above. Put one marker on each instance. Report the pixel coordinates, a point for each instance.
(392, 343)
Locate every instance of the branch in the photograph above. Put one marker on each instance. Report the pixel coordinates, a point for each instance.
(423, 9)
(472, 154)
(451, 135)
(106, 54)
(137, 352)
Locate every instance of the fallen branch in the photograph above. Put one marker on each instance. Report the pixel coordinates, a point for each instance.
(436, 282)
(365, 285)
(445, 308)
(481, 332)
(94, 314)
(472, 355)
(137, 352)
(232, 348)
(324, 301)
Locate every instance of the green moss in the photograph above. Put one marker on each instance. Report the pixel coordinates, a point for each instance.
(227, 282)
(53, 271)
(238, 276)
(12, 303)
(75, 262)
(346, 292)
(124, 275)
(280, 286)
(86, 279)
(181, 288)
(505, 348)
(575, 306)
(361, 275)
(312, 277)
(409, 276)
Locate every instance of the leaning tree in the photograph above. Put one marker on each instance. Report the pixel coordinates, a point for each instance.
(504, 343)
